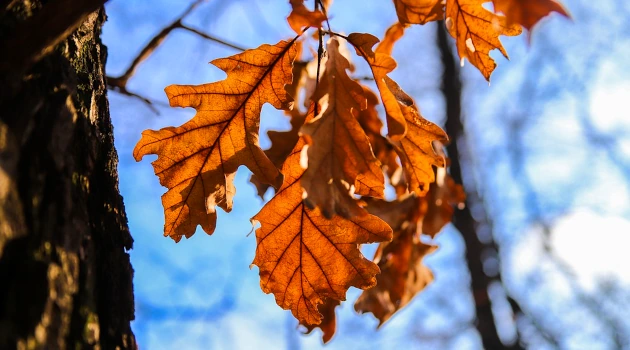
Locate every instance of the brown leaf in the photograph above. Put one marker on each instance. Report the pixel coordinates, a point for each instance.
(527, 12)
(419, 11)
(282, 142)
(329, 320)
(372, 125)
(301, 17)
(382, 64)
(402, 273)
(305, 258)
(392, 35)
(198, 160)
(444, 194)
(415, 147)
(476, 32)
(417, 155)
(340, 160)
(299, 78)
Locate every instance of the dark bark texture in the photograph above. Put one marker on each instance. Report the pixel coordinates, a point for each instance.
(65, 275)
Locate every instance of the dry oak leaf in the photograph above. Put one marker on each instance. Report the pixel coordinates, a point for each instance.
(419, 11)
(301, 17)
(476, 32)
(403, 274)
(392, 35)
(381, 64)
(372, 125)
(443, 196)
(305, 258)
(340, 159)
(198, 160)
(527, 12)
(417, 153)
(415, 147)
(329, 320)
(282, 142)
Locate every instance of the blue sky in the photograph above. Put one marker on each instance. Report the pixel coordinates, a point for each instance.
(200, 293)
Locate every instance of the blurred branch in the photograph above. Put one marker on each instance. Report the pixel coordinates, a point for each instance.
(477, 251)
(119, 83)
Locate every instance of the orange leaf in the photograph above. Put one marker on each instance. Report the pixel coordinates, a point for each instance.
(419, 11)
(372, 125)
(198, 160)
(381, 64)
(392, 35)
(476, 32)
(415, 149)
(301, 17)
(417, 155)
(305, 258)
(329, 320)
(340, 159)
(282, 142)
(402, 273)
(443, 195)
(527, 12)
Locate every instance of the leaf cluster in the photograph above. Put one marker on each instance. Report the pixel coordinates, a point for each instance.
(331, 169)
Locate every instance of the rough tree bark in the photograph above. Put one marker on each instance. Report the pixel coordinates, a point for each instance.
(65, 275)
(477, 250)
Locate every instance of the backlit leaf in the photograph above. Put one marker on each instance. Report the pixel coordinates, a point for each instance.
(383, 149)
(382, 64)
(301, 17)
(415, 147)
(305, 258)
(329, 320)
(198, 160)
(443, 196)
(476, 32)
(340, 159)
(403, 274)
(527, 12)
(419, 11)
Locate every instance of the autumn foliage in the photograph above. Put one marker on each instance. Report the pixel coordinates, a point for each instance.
(330, 171)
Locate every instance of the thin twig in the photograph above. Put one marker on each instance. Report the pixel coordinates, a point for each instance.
(113, 85)
(213, 38)
(324, 11)
(320, 53)
(119, 84)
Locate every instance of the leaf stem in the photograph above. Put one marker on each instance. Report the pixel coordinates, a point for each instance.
(320, 53)
(324, 11)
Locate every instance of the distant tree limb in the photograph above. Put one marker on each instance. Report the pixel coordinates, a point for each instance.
(119, 83)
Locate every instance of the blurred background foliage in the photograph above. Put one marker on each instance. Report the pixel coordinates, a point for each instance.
(545, 160)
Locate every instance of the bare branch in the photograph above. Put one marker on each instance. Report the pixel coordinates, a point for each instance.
(213, 38)
(119, 84)
(115, 85)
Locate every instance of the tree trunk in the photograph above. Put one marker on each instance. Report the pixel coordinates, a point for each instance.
(65, 275)
(477, 251)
